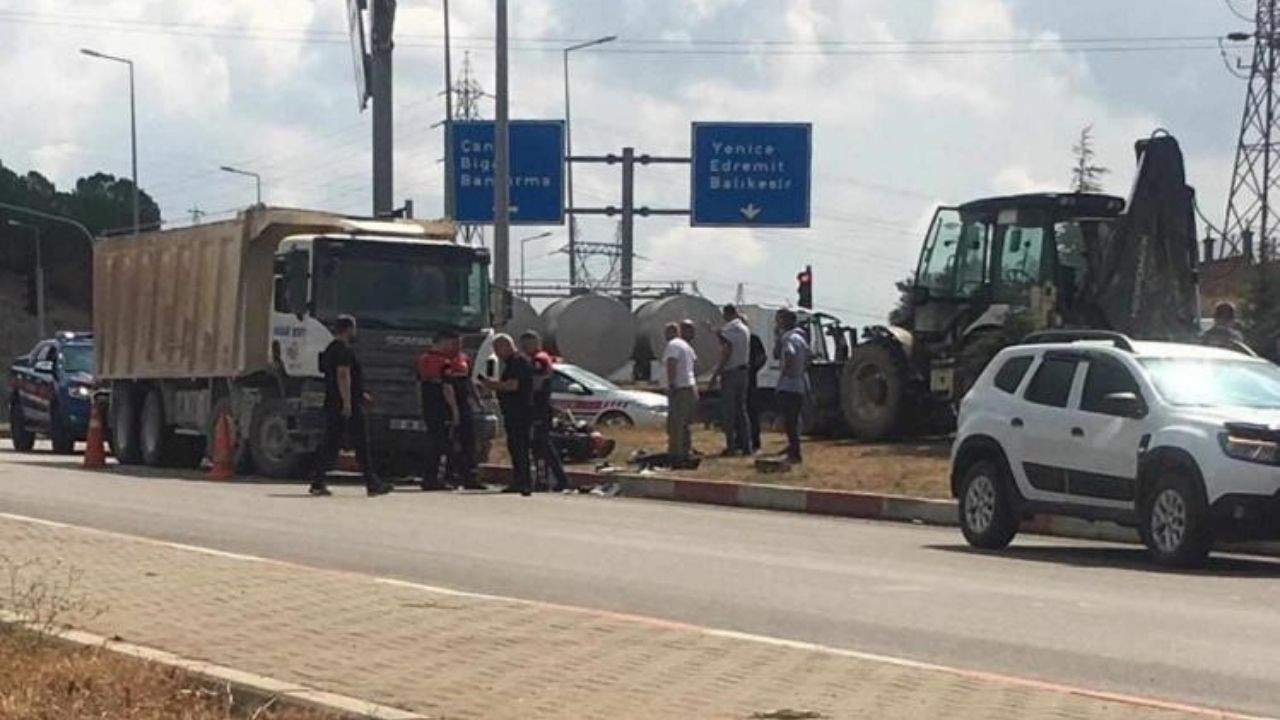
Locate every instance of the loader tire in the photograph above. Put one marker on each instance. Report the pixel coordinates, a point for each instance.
(872, 392)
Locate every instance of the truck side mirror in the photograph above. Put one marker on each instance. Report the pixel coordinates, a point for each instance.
(297, 279)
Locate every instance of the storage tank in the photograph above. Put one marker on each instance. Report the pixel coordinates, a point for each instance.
(593, 331)
(523, 317)
(651, 320)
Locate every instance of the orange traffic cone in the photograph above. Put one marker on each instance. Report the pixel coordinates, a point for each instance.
(95, 452)
(223, 450)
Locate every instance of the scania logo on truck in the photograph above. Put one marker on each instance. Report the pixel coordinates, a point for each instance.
(408, 340)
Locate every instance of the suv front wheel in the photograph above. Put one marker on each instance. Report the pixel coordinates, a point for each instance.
(1175, 520)
(986, 510)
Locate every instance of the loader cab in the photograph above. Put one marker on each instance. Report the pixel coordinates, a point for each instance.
(983, 259)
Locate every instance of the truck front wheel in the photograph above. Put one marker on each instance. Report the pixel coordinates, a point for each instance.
(269, 442)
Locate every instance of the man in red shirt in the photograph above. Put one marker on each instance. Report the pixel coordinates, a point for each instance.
(440, 412)
(543, 450)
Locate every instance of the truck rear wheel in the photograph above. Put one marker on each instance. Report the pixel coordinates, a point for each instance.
(269, 442)
(155, 434)
(124, 424)
(871, 392)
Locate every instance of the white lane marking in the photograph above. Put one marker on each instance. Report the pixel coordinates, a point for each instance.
(1032, 683)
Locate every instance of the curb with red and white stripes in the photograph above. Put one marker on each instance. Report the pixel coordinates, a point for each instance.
(838, 503)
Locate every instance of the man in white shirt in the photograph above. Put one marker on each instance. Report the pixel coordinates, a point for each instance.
(682, 390)
(733, 372)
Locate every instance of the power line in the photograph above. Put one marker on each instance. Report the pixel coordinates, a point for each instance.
(654, 46)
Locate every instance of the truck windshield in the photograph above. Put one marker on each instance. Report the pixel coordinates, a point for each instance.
(403, 286)
(954, 258)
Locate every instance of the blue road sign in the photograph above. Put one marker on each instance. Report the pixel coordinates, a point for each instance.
(750, 174)
(537, 171)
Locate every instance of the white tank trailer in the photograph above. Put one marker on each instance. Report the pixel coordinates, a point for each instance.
(523, 318)
(652, 317)
(593, 331)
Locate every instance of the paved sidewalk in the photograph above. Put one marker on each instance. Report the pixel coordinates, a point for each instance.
(457, 655)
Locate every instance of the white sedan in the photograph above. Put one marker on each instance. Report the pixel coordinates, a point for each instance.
(592, 398)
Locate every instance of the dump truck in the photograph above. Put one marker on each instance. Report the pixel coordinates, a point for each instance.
(231, 317)
(994, 269)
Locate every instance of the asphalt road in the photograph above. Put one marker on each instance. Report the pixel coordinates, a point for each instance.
(1087, 614)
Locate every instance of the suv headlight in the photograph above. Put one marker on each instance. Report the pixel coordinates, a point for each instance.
(1253, 450)
(80, 392)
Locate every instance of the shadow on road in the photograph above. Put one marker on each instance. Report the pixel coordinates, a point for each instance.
(1122, 558)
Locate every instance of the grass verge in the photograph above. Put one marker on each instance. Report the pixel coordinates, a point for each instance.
(918, 468)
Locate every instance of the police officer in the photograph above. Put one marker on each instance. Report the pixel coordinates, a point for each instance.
(515, 395)
(344, 401)
(462, 455)
(440, 413)
(543, 450)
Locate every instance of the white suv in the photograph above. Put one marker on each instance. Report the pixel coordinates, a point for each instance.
(1181, 441)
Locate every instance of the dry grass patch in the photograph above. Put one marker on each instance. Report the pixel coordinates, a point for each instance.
(917, 468)
(42, 679)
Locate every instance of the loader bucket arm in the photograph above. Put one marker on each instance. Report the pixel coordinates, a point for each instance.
(1144, 276)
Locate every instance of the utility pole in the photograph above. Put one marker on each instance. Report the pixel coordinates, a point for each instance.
(627, 234)
(382, 22)
(468, 108)
(1248, 204)
(501, 158)
(568, 139)
(449, 201)
(133, 132)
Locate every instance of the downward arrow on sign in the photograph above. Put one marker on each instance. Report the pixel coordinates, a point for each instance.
(750, 211)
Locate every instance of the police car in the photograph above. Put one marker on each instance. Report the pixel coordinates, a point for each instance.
(50, 391)
(592, 398)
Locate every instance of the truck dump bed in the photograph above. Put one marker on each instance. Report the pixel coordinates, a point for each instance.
(195, 302)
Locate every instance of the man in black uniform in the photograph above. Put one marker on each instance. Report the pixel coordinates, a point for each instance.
(515, 395)
(543, 450)
(344, 400)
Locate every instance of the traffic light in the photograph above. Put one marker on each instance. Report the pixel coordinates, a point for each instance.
(32, 303)
(804, 287)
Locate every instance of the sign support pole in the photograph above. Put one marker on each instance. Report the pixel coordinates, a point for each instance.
(501, 159)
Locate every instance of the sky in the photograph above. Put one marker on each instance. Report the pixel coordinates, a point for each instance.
(898, 128)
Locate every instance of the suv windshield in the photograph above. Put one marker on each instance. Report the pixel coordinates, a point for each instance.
(402, 286)
(1208, 383)
(77, 358)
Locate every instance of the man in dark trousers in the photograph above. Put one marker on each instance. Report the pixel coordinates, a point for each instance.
(344, 401)
(515, 395)
(793, 379)
(440, 413)
(462, 459)
(543, 450)
(759, 357)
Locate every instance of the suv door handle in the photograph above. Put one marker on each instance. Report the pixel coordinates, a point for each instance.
(1016, 422)
(1077, 432)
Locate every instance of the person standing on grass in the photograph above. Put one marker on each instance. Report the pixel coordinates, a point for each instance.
(543, 367)
(344, 401)
(758, 358)
(732, 370)
(678, 361)
(515, 396)
(793, 381)
(440, 413)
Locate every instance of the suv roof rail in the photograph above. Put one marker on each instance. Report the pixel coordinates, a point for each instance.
(1120, 340)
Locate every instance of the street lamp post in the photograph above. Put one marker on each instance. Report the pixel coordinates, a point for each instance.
(524, 242)
(257, 179)
(568, 146)
(35, 235)
(133, 131)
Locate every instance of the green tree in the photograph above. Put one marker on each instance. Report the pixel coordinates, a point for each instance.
(902, 313)
(1086, 175)
(101, 202)
(1260, 311)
